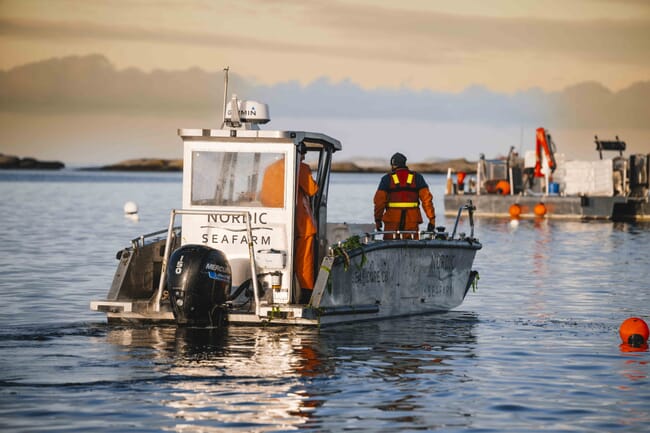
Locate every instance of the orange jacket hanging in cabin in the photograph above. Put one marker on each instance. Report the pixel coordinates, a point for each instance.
(305, 228)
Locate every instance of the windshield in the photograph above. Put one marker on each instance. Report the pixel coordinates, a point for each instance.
(249, 179)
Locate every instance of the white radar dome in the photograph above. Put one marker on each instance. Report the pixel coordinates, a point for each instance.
(250, 111)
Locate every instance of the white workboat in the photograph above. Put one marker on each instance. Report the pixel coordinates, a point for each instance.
(232, 258)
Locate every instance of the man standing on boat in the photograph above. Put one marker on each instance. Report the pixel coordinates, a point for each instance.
(305, 229)
(272, 195)
(398, 197)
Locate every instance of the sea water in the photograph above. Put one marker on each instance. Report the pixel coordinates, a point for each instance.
(534, 348)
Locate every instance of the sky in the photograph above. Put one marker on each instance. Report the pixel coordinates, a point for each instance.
(98, 81)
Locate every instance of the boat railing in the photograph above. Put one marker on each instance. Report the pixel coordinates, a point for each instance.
(470, 208)
(142, 240)
(439, 233)
(399, 235)
(170, 234)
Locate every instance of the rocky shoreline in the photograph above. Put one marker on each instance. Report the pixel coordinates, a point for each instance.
(13, 162)
(176, 165)
(154, 164)
(439, 167)
(145, 164)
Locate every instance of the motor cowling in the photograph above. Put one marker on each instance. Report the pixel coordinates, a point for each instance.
(199, 280)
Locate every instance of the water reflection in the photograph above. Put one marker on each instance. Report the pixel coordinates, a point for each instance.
(239, 378)
(269, 379)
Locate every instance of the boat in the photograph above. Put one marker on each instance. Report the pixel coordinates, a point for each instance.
(232, 258)
(542, 184)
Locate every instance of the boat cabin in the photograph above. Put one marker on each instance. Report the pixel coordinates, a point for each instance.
(240, 188)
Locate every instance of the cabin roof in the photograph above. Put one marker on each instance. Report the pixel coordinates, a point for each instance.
(308, 138)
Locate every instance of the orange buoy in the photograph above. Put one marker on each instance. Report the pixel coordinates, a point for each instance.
(540, 209)
(503, 187)
(515, 210)
(634, 331)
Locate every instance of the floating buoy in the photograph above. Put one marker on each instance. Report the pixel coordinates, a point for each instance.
(131, 210)
(540, 209)
(503, 187)
(515, 210)
(634, 332)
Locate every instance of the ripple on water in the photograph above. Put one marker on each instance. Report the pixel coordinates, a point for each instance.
(535, 348)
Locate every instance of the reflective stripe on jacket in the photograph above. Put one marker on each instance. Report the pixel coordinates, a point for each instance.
(402, 190)
(406, 196)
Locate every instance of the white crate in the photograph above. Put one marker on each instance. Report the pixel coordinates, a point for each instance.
(271, 259)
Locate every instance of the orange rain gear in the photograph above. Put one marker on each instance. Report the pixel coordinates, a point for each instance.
(398, 198)
(272, 193)
(305, 228)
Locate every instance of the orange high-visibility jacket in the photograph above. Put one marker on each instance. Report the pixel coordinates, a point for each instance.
(272, 192)
(305, 228)
(398, 198)
(307, 187)
(272, 195)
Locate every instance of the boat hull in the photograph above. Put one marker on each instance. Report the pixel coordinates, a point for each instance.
(403, 277)
(381, 280)
(377, 280)
(616, 208)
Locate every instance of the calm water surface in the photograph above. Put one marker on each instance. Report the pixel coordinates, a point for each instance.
(535, 348)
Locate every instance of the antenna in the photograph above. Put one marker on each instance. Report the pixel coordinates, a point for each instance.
(225, 93)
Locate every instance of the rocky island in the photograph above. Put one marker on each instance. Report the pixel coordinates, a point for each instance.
(438, 167)
(146, 164)
(156, 164)
(14, 162)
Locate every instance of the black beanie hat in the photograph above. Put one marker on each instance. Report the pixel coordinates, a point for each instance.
(398, 160)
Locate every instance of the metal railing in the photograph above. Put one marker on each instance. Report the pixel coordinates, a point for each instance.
(437, 234)
(141, 240)
(170, 230)
(469, 206)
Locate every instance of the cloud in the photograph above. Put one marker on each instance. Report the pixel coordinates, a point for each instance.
(92, 84)
(432, 34)
(355, 31)
(60, 30)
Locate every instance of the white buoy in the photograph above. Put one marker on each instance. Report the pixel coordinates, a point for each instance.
(131, 210)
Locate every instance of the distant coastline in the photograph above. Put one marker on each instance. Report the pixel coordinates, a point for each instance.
(176, 165)
(156, 164)
(14, 162)
(143, 164)
(438, 167)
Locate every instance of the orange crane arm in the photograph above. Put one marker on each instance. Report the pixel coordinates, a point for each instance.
(544, 142)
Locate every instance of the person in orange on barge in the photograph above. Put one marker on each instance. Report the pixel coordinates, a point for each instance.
(398, 199)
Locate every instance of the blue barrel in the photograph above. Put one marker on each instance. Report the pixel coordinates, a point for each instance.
(553, 188)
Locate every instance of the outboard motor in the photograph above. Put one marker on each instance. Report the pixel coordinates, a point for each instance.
(199, 282)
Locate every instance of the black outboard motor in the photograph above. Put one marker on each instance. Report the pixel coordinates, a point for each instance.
(199, 282)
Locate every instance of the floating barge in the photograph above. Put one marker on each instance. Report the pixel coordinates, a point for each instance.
(543, 184)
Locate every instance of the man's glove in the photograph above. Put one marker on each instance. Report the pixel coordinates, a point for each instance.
(378, 225)
(431, 227)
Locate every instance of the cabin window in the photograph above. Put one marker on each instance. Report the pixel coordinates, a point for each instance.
(248, 179)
